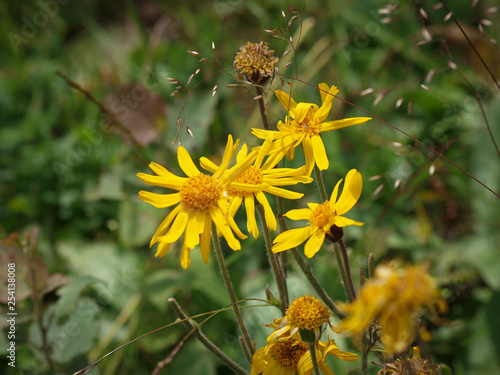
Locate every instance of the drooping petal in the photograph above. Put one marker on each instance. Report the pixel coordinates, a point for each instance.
(299, 214)
(195, 226)
(160, 200)
(208, 164)
(205, 239)
(309, 155)
(291, 238)
(343, 123)
(251, 222)
(224, 229)
(185, 258)
(314, 243)
(162, 249)
(350, 193)
(268, 212)
(164, 225)
(319, 152)
(177, 228)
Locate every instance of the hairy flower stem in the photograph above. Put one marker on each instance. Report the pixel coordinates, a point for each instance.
(347, 266)
(283, 256)
(232, 295)
(320, 183)
(273, 260)
(262, 107)
(345, 269)
(312, 350)
(205, 340)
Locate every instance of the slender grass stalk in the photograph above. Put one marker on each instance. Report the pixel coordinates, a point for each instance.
(312, 350)
(273, 260)
(232, 295)
(205, 340)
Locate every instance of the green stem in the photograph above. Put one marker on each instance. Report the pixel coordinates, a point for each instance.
(320, 183)
(347, 266)
(364, 337)
(275, 266)
(371, 265)
(343, 274)
(312, 350)
(205, 340)
(283, 256)
(232, 295)
(262, 107)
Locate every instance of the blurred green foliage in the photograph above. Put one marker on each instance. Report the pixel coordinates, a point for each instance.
(65, 170)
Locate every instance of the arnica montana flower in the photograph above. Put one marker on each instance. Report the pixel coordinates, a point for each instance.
(289, 356)
(304, 125)
(201, 202)
(322, 217)
(304, 320)
(255, 62)
(258, 178)
(414, 365)
(396, 296)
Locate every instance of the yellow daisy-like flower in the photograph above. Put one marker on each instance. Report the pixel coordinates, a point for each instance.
(259, 178)
(304, 320)
(322, 217)
(289, 356)
(201, 202)
(304, 125)
(396, 296)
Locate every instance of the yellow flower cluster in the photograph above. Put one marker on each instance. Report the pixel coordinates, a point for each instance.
(202, 199)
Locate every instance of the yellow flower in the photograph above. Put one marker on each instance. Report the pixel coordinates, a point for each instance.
(259, 178)
(322, 217)
(304, 314)
(304, 125)
(289, 356)
(414, 365)
(396, 296)
(201, 201)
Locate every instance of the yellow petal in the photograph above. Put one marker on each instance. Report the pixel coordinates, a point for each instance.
(208, 165)
(327, 95)
(205, 239)
(185, 259)
(227, 156)
(287, 194)
(224, 229)
(164, 225)
(186, 163)
(261, 133)
(291, 238)
(177, 228)
(251, 222)
(242, 154)
(301, 111)
(172, 182)
(350, 193)
(314, 243)
(319, 152)
(343, 123)
(160, 200)
(268, 212)
(237, 169)
(335, 192)
(286, 100)
(309, 154)
(342, 221)
(299, 214)
(162, 249)
(195, 225)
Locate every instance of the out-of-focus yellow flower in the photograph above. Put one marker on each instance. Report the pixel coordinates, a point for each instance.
(396, 296)
(322, 217)
(201, 202)
(304, 125)
(414, 365)
(259, 178)
(289, 356)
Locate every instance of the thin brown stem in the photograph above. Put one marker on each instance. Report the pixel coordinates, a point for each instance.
(345, 259)
(262, 107)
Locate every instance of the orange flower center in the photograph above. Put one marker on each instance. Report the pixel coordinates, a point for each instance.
(287, 353)
(307, 313)
(252, 176)
(309, 125)
(200, 192)
(322, 214)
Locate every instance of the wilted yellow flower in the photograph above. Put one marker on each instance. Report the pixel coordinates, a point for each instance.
(396, 296)
(256, 62)
(289, 356)
(408, 366)
(304, 125)
(322, 217)
(201, 201)
(259, 178)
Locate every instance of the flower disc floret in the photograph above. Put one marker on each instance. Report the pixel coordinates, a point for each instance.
(201, 192)
(307, 313)
(321, 215)
(287, 353)
(252, 176)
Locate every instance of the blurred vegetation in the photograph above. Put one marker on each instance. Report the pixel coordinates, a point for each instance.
(69, 190)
